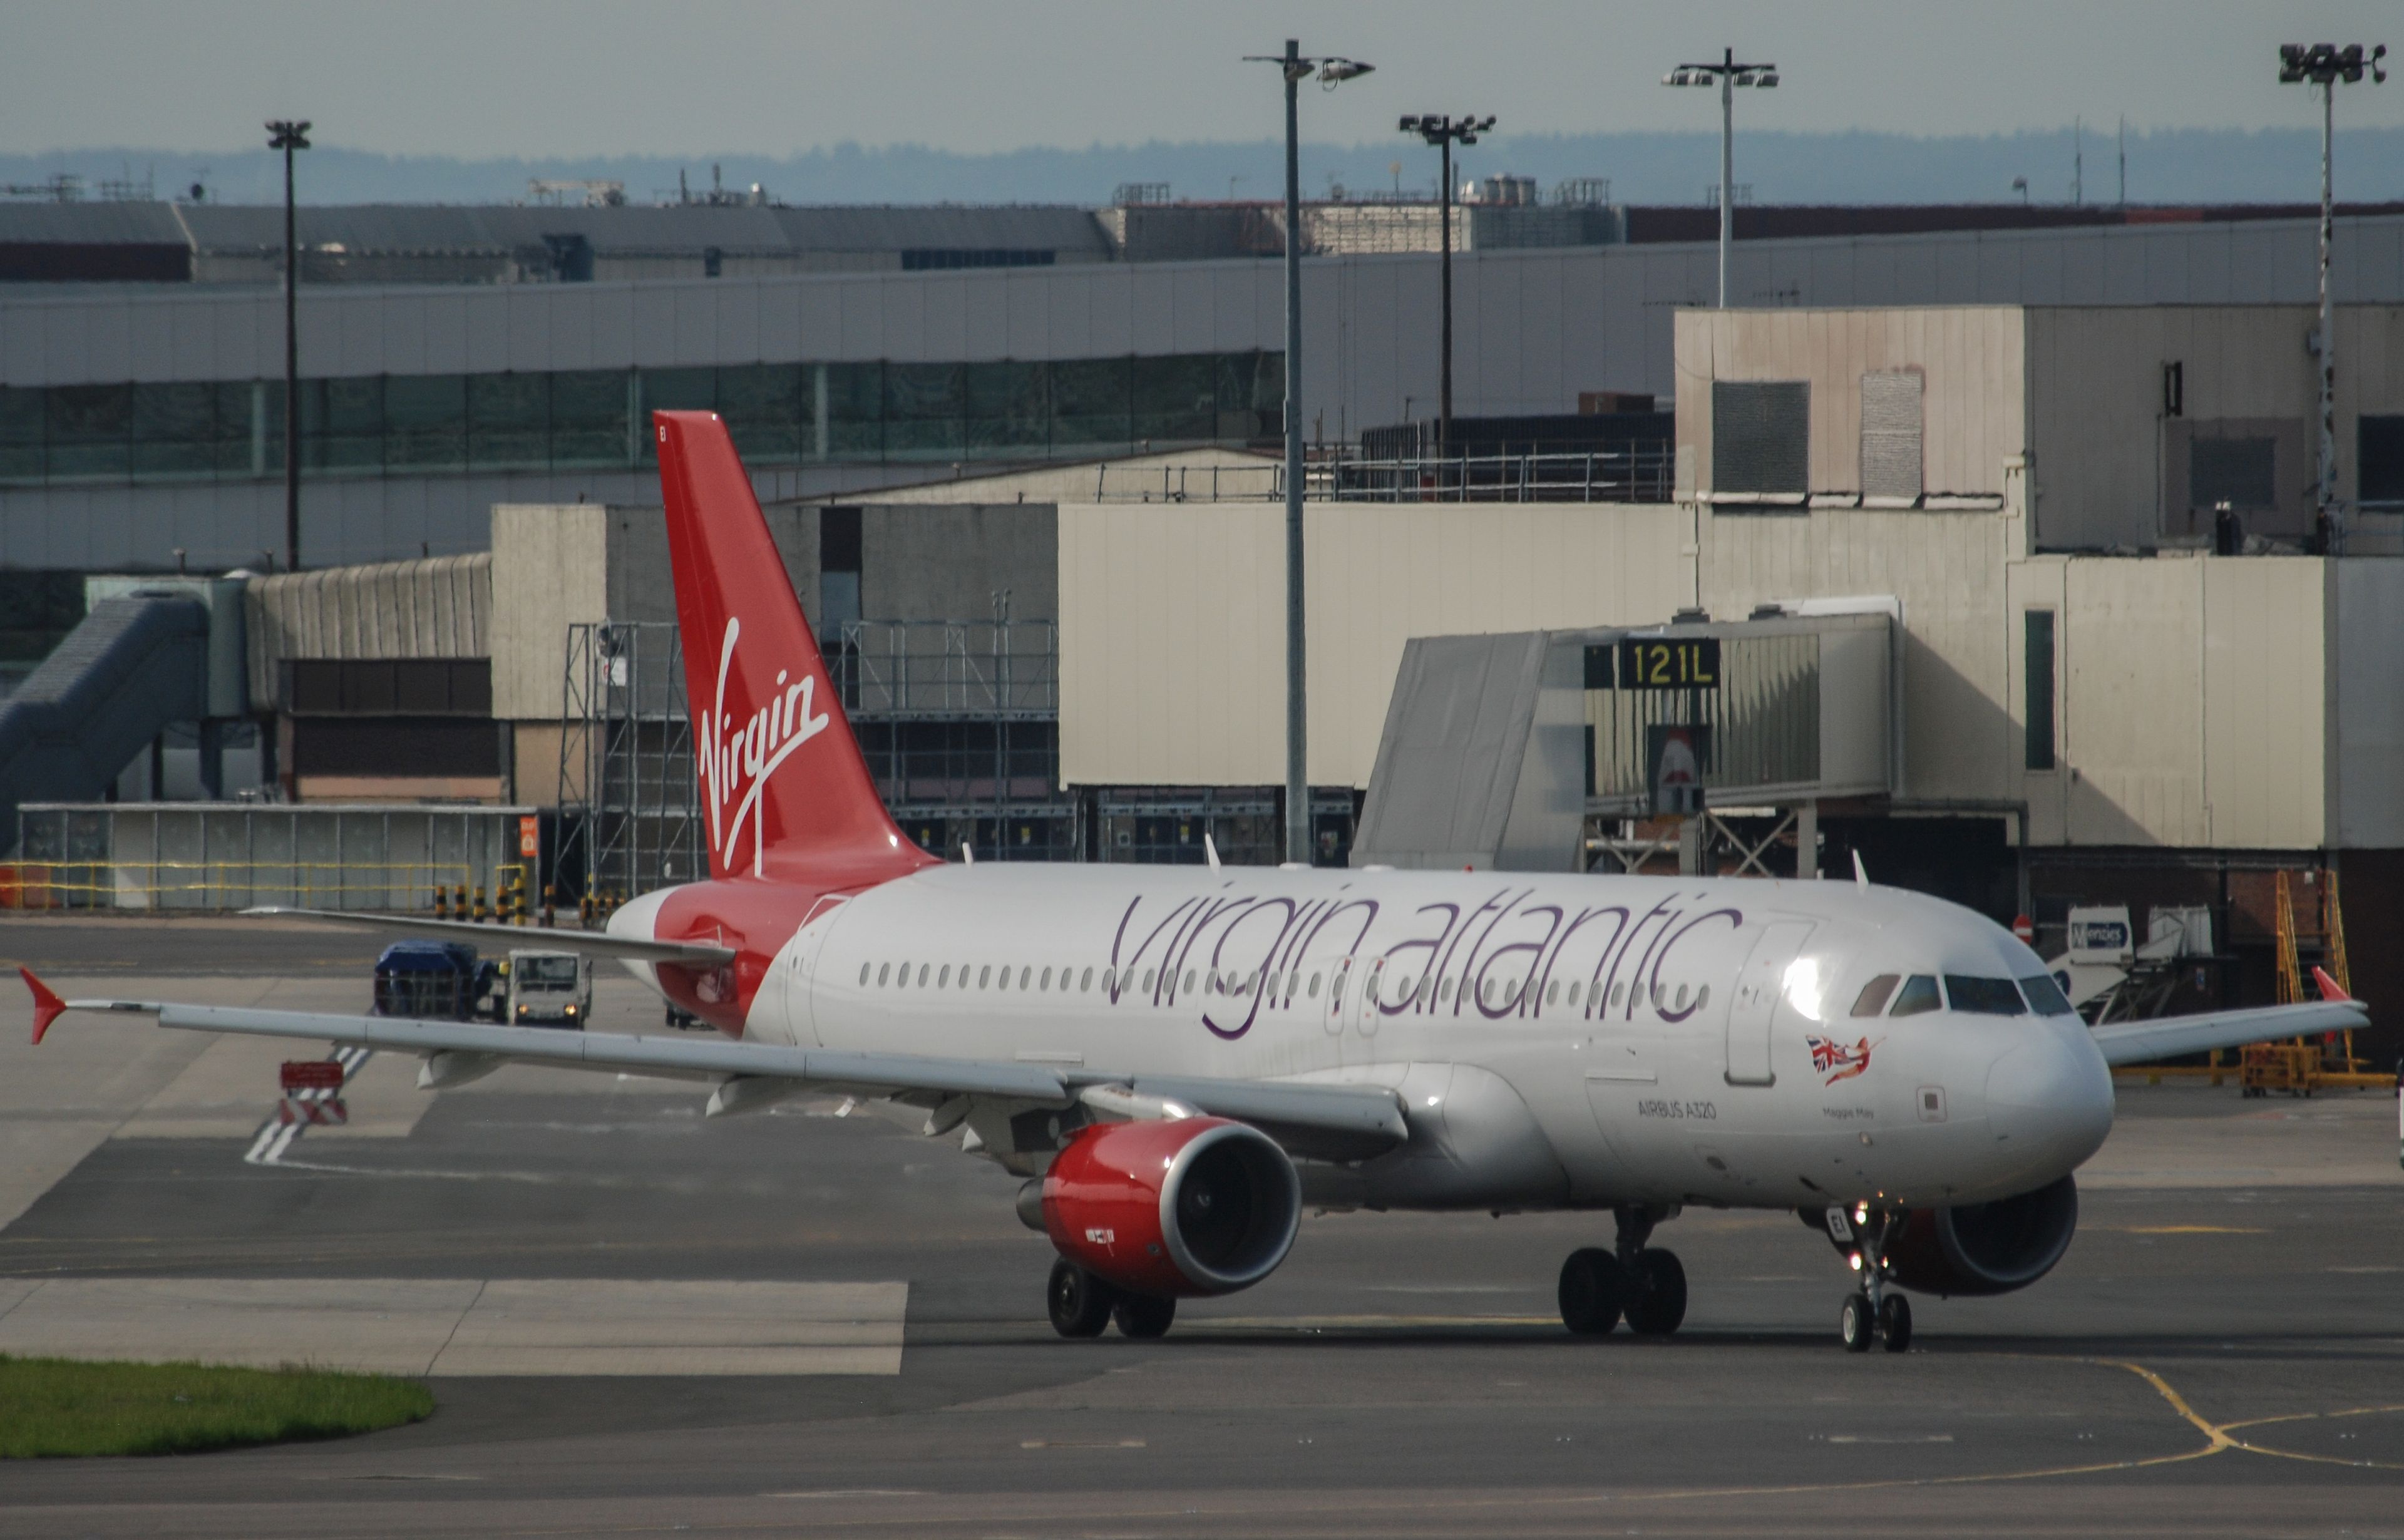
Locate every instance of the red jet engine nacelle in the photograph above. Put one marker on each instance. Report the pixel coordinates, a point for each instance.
(1191, 1205)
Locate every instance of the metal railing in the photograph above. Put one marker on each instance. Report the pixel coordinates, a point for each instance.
(1633, 473)
(1006, 669)
(222, 884)
(1638, 473)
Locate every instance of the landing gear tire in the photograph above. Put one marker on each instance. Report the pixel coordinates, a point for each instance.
(1657, 1303)
(1081, 1304)
(1856, 1322)
(1894, 1323)
(1594, 1289)
(1142, 1316)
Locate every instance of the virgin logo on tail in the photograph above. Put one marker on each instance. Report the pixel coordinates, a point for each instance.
(737, 759)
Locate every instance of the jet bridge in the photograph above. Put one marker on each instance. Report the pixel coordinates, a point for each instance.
(149, 652)
(1497, 748)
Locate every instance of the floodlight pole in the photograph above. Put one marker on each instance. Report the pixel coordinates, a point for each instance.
(1297, 715)
(1332, 72)
(288, 137)
(1727, 166)
(2324, 64)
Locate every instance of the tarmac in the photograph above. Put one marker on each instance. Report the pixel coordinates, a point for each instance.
(634, 1320)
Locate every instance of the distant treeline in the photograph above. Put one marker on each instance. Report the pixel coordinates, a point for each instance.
(2169, 166)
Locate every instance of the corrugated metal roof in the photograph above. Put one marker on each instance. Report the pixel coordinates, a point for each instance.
(89, 223)
(439, 607)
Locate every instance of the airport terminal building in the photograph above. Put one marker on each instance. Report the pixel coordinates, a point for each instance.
(2026, 511)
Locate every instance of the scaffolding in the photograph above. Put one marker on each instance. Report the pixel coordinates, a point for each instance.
(2301, 1066)
(630, 810)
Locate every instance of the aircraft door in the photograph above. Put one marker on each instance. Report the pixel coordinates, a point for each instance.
(799, 966)
(1753, 1004)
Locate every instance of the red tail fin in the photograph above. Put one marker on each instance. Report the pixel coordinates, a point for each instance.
(782, 779)
(2330, 988)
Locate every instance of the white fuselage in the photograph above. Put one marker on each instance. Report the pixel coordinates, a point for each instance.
(1558, 1041)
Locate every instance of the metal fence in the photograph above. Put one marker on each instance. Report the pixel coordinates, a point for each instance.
(1008, 669)
(1641, 472)
(216, 856)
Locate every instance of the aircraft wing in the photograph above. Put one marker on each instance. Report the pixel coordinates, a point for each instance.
(596, 944)
(2140, 1042)
(1312, 1120)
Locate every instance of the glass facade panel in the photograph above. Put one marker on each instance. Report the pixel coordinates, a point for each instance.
(89, 430)
(425, 421)
(924, 412)
(778, 414)
(342, 425)
(762, 405)
(1009, 408)
(1090, 404)
(508, 422)
(588, 417)
(855, 412)
(175, 430)
(20, 434)
(1176, 399)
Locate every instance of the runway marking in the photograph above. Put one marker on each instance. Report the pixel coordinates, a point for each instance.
(1081, 1444)
(2185, 1229)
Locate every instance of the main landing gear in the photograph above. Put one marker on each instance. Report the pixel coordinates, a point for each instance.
(1642, 1284)
(1082, 1305)
(1871, 1313)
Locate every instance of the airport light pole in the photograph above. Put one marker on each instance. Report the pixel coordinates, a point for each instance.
(1332, 72)
(289, 135)
(1444, 132)
(2324, 64)
(1727, 74)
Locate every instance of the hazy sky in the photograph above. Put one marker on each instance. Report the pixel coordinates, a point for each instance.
(482, 78)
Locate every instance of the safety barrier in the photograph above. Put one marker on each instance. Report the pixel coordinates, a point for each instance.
(220, 884)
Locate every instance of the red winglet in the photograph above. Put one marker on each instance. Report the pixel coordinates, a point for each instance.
(2330, 989)
(47, 1006)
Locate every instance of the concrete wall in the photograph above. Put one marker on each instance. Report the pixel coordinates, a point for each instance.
(1172, 620)
(2367, 729)
(937, 563)
(1944, 569)
(1972, 414)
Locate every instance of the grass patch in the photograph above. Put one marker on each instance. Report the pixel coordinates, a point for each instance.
(66, 1406)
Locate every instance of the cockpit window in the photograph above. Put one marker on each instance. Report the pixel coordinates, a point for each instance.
(1918, 993)
(2045, 997)
(1872, 1000)
(1986, 997)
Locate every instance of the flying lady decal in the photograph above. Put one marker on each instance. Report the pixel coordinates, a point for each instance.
(1840, 1060)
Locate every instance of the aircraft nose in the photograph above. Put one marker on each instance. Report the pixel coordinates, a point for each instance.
(2051, 1097)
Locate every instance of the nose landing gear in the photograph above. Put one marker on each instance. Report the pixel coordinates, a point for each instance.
(1646, 1285)
(1871, 1313)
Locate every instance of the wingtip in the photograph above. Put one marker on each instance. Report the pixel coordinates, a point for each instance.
(2330, 988)
(47, 1006)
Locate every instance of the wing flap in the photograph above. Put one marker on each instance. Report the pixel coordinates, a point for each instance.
(2163, 1037)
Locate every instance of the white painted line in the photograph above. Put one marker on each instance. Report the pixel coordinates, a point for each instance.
(462, 1326)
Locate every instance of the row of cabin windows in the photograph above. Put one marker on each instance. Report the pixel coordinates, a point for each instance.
(1986, 997)
(926, 975)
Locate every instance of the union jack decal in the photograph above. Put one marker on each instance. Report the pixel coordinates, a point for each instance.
(1840, 1060)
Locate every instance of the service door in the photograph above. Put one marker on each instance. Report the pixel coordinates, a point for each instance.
(1753, 1007)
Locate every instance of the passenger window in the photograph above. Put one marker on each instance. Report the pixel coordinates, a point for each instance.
(1918, 994)
(1314, 986)
(964, 976)
(883, 971)
(1618, 994)
(1276, 979)
(2045, 997)
(1150, 975)
(1574, 994)
(1986, 997)
(1552, 993)
(1873, 998)
(1702, 997)
(985, 976)
(943, 979)
(922, 973)
(1086, 981)
(863, 972)
(1682, 997)
(1189, 981)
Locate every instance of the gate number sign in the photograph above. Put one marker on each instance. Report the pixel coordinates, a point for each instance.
(1679, 662)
